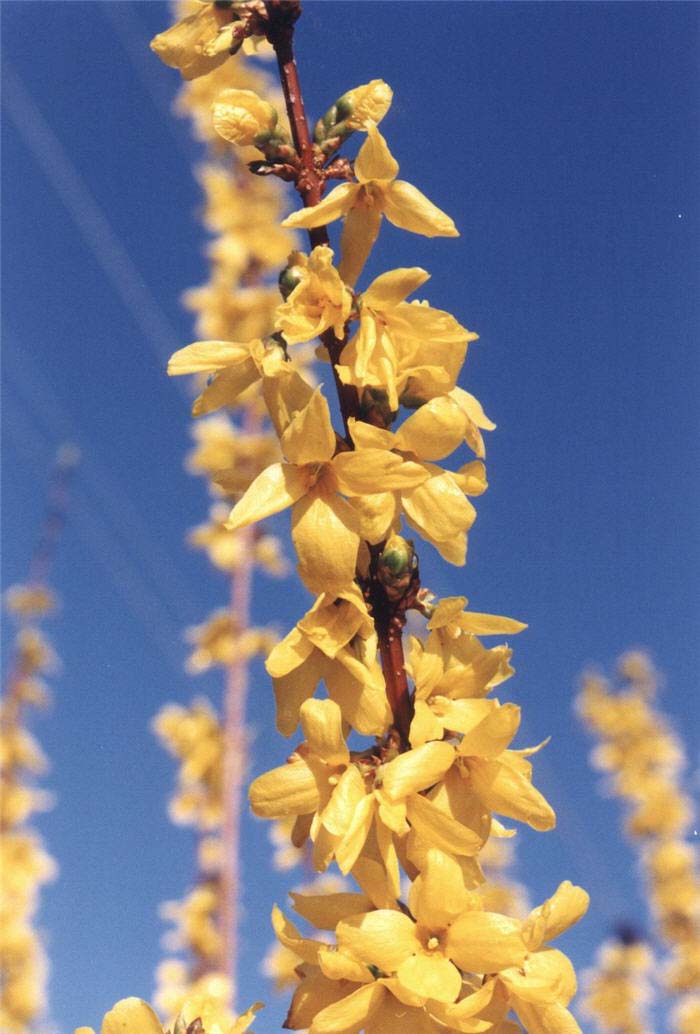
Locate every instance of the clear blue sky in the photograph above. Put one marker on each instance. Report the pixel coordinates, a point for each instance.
(563, 139)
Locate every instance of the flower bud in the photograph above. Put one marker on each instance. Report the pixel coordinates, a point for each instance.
(396, 566)
(368, 103)
(292, 274)
(240, 116)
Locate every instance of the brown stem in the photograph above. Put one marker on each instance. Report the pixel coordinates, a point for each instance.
(388, 616)
(311, 181)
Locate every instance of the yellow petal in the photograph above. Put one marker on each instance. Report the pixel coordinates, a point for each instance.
(347, 796)
(416, 769)
(383, 938)
(375, 470)
(325, 911)
(348, 850)
(350, 1014)
(546, 976)
(360, 231)
(131, 1016)
(508, 792)
(545, 1019)
(310, 437)
(322, 724)
(362, 700)
(331, 207)
(433, 431)
(493, 733)
(207, 357)
(485, 942)
(430, 976)
(374, 160)
(184, 45)
(240, 115)
(489, 624)
(424, 725)
(287, 790)
(277, 487)
(438, 510)
(326, 537)
(440, 830)
(288, 654)
(225, 387)
(293, 689)
(387, 290)
(438, 895)
(289, 936)
(566, 906)
(406, 207)
(337, 966)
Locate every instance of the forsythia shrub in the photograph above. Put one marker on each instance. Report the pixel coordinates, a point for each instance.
(414, 944)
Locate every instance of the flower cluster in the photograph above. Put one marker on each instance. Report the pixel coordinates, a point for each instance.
(644, 759)
(24, 862)
(414, 941)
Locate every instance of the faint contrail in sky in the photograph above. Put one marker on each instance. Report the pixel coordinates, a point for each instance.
(94, 227)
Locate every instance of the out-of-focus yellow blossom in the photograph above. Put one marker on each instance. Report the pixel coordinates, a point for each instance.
(399, 345)
(686, 1015)
(24, 863)
(319, 301)
(644, 761)
(194, 736)
(376, 193)
(325, 527)
(335, 642)
(500, 892)
(221, 642)
(29, 601)
(228, 550)
(221, 448)
(618, 991)
(195, 921)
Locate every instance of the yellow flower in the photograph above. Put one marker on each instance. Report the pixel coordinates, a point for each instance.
(200, 42)
(449, 933)
(325, 527)
(320, 299)
(241, 117)
(334, 642)
(436, 505)
(400, 346)
(235, 367)
(376, 193)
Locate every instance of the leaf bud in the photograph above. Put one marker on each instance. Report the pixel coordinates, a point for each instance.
(240, 116)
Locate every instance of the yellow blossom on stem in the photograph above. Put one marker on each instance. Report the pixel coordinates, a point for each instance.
(319, 301)
(398, 342)
(376, 193)
(325, 527)
(200, 42)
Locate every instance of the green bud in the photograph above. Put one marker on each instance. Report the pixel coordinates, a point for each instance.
(344, 106)
(289, 278)
(396, 566)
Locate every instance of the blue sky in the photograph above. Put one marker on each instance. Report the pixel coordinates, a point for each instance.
(563, 140)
